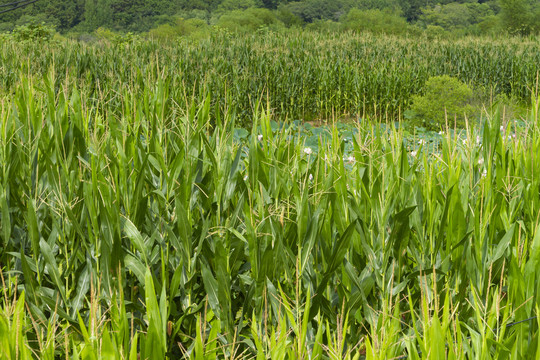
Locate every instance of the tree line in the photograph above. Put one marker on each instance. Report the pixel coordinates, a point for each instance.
(516, 17)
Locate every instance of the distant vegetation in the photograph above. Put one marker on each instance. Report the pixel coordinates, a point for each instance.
(442, 17)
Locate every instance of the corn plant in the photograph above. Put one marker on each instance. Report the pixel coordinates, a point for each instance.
(136, 224)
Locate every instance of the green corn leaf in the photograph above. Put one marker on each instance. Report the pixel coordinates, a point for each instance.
(211, 287)
(6, 218)
(52, 266)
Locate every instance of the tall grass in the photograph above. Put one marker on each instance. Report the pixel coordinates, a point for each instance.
(133, 224)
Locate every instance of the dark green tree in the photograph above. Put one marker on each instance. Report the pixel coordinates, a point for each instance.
(63, 14)
(97, 13)
(273, 4)
(516, 16)
(67, 13)
(455, 15)
(311, 10)
(412, 9)
(248, 20)
(376, 21)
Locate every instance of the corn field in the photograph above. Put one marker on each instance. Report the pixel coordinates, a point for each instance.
(303, 76)
(136, 225)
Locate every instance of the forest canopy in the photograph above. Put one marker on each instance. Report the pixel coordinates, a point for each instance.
(467, 17)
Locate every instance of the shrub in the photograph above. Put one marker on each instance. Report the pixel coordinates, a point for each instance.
(191, 26)
(324, 26)
(288, 18)
(231, 5)
(163, 32)
(105, 34)
(181, 27)
(454, 15)
(6, 27)
(33, 32)
(375, 21)
(435, 32)
(313, 10)
(38, 19)
(248, 20)
(445, 97)
(115, 38)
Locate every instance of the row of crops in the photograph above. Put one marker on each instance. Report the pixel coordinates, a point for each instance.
(139, 221)
(303, 76)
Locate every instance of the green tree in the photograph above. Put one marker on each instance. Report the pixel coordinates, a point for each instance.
(288, 18)
(63, 14)
(97, 13)
(311, 10)
(270, 4)
(181, 27)
(68, 13)
(412, 9)
(445, 98)
(393, 5)
(248, 20)
(376, 21)
(516, 16)
(535, 18)
(455, 15)
(230, 5)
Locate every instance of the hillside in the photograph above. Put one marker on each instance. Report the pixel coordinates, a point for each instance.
(477, 17)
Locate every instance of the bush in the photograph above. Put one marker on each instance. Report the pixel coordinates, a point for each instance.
(231, 5)
(117, 39)
(445, 98)
(324, 26)
(105, 34)
(163, 32)
(38, 19)
(435, 32)
(33, 32)
(181, 27)
(375, 21)
(288, 18)
(194, 14)
(490, 25)
(5, 27)
(454, 16)
(313, 10)
(248, 20)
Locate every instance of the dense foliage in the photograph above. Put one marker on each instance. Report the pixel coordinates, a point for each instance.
(137, 220)
(516, 17)
(446, 99)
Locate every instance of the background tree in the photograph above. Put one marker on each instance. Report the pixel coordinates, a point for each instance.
(248, 20)
(14, 5)
(412, 9)
(97, 13)
(311, 10)
(270, 4)
(516, 16)
(454, 15)
(376, 21)
(63, 14)
(230, 5)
